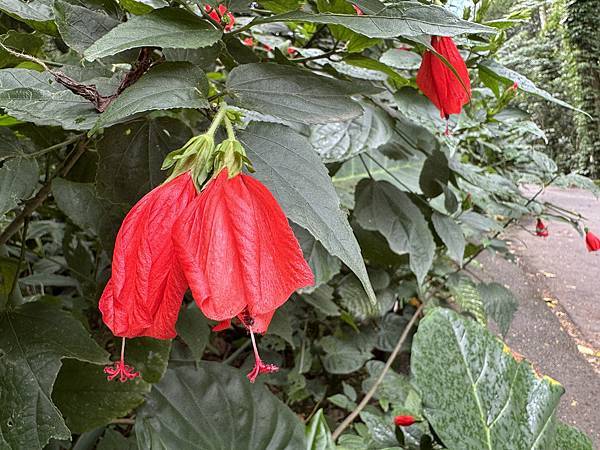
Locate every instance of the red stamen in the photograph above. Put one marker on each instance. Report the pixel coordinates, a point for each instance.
(259, 365)
(119, 368)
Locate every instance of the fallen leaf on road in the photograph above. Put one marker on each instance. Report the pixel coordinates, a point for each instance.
(588, 351)
(549, 274)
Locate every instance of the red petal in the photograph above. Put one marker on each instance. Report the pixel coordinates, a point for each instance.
(222, 325)
(592, 242)
(439, 83)
(238, 251)
(147, 285)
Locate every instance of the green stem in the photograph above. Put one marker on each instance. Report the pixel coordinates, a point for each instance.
(55, 146)
(217, 120)
(229, 128)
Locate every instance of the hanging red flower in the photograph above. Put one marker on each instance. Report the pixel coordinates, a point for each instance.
(239, 254)
(541, 229)
(592, 241)
(359, 12)
(404, 421)
(248, 42)
(143, 296)
(439, 83)
(223, 16)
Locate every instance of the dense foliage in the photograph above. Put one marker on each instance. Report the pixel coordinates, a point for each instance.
(388, 208)
(558, 49)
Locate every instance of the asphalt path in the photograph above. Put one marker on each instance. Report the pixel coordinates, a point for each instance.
(557, 325)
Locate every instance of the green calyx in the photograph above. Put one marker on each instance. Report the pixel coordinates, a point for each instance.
(230, 155)
(200, 157)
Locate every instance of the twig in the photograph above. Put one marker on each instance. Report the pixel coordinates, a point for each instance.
(348, 420)
(312, 58)
(55, 146)
(90, 91)
(237, 353)
(123, 421)
(35, 202)
(21, 258)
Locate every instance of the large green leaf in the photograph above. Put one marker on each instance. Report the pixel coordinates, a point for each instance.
(88, 400)
(505, 75)
(214, 407)
(451, 234)
(286, 163)
(292, 93)
(131, 155)
(33, 340)
(165, 28)
(26, 43)
(407, 19)
(18, 179)
(166, 86)
(382, 207)
(467, 296)
(35, 97)
(36, 13)
(80, 27)
(476, 396)
(500, 304)
(79, 202)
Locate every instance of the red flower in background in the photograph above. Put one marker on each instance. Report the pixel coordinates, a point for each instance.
(359, 12)
(439, 83)
(239, 254)
(592, 241)
(404, 421)
(248, 42)
(541, 229)
(222, 16)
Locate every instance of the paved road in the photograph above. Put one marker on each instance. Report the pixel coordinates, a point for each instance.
(557, 283)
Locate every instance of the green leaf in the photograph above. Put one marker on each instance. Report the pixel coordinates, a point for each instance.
(407, 19)
(339, 141)
(391, 328)
(193, 328)
(215, 407)
(165, 28)
(139, 7)
(354, 299)
(321, 299)
(80, 27)
(435, 174)
(79, 202)
(476, 396)
(165, 86)
(33, 340)
(393, 77)
(395, 387)
(343, 356)
(451, 234)
(149, 356)
(36, 97)
(18, 179)
(318, 435)
(500, 304)
(293, 94)
(279, 6)
(8, 271)
(400, 58)
(382, 207)
(27, 43)
(113, 440)
(567, 437)
(324, 266)
(467, 296)
(131, 155)
(285, 162)
(35, 13)
(88, 400)
(507, 76)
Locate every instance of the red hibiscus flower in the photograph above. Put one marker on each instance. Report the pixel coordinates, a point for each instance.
(143, 296)
(223, 16)
(592, 241)
(404, 421)
(439, 83)
(239, 254)
(248, 42)
(541, 229)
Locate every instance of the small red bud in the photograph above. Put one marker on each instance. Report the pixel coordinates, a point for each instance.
(404, 421)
